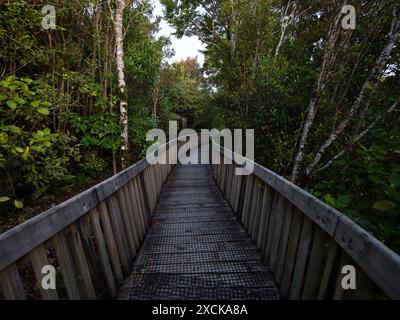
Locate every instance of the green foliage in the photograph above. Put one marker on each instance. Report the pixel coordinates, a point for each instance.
(99, 131)
(32, 159)
(368, 187)
(138, 128)
(93, 165)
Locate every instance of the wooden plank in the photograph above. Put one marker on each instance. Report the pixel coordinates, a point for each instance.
(247, 198)
(136, 227)
(291, 252)
(246, 195)
(157, 177)
(111, 242)
(271, 227)
(11, 284)
(301, 260)
(119, 235)
(284, 242)
(66, 265)
(329, 271)
(219, 174)
(339, 292)
(89, 248)
(279, 220)
(154, 174)
(144, 215)
(117, 215)
(151, 190)
(242, 193)
(223, 179)
(380, 263)
(234, 197)
(250, 212)
(257, 211)
(265, 219)
(101, 247)
(38, 259)
(229, 186)
(365, 287)
(237, 193)
(137, 210)
(128, 223)
(85, 280)
(315, 265)
(144, 195)
(147, 188)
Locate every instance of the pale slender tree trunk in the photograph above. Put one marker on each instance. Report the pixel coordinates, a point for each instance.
(375, 74)
(358, 136)
(286, 20)
(328, 60)
(119, 40)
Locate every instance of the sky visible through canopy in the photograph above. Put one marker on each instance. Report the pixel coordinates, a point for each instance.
(185, 47)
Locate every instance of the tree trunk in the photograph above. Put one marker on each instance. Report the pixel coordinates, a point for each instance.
(328, 60)
(373, 77)
(119, 40)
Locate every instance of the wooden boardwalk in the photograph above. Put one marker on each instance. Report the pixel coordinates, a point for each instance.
(173, 232)
(195, 247)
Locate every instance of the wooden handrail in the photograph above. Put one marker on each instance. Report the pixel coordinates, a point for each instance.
(105, 223)
(277, 206)
(94, 236)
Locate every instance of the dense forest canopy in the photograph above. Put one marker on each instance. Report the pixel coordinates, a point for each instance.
(323, 99)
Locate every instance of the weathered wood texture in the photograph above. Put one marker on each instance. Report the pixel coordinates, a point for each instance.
(195, 248)
(302, 239)
(95, 235)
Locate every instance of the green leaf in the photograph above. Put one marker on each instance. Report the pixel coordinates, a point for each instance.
(19, 100)
(35, 103)
(384, 205)
(19, 149)
(3, 138)
(343, 201)
(25, 156)
(44, 111)
(27, 80)
(15, 129)
(330, 200)
(18, 204)
(11, 104)
(46, 104)
(395, 180)
(4, 199)
(3, 97)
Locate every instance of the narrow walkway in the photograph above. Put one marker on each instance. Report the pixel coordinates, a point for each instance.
(196, 249)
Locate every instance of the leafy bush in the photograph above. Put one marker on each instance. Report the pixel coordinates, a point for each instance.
(98, 131)
(93, 165)
(32, 158)
(368, 188)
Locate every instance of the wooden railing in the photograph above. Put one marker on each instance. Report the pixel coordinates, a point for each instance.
(90, 239)
(303, 241)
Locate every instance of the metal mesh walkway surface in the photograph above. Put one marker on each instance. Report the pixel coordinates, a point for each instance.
(196, 249)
